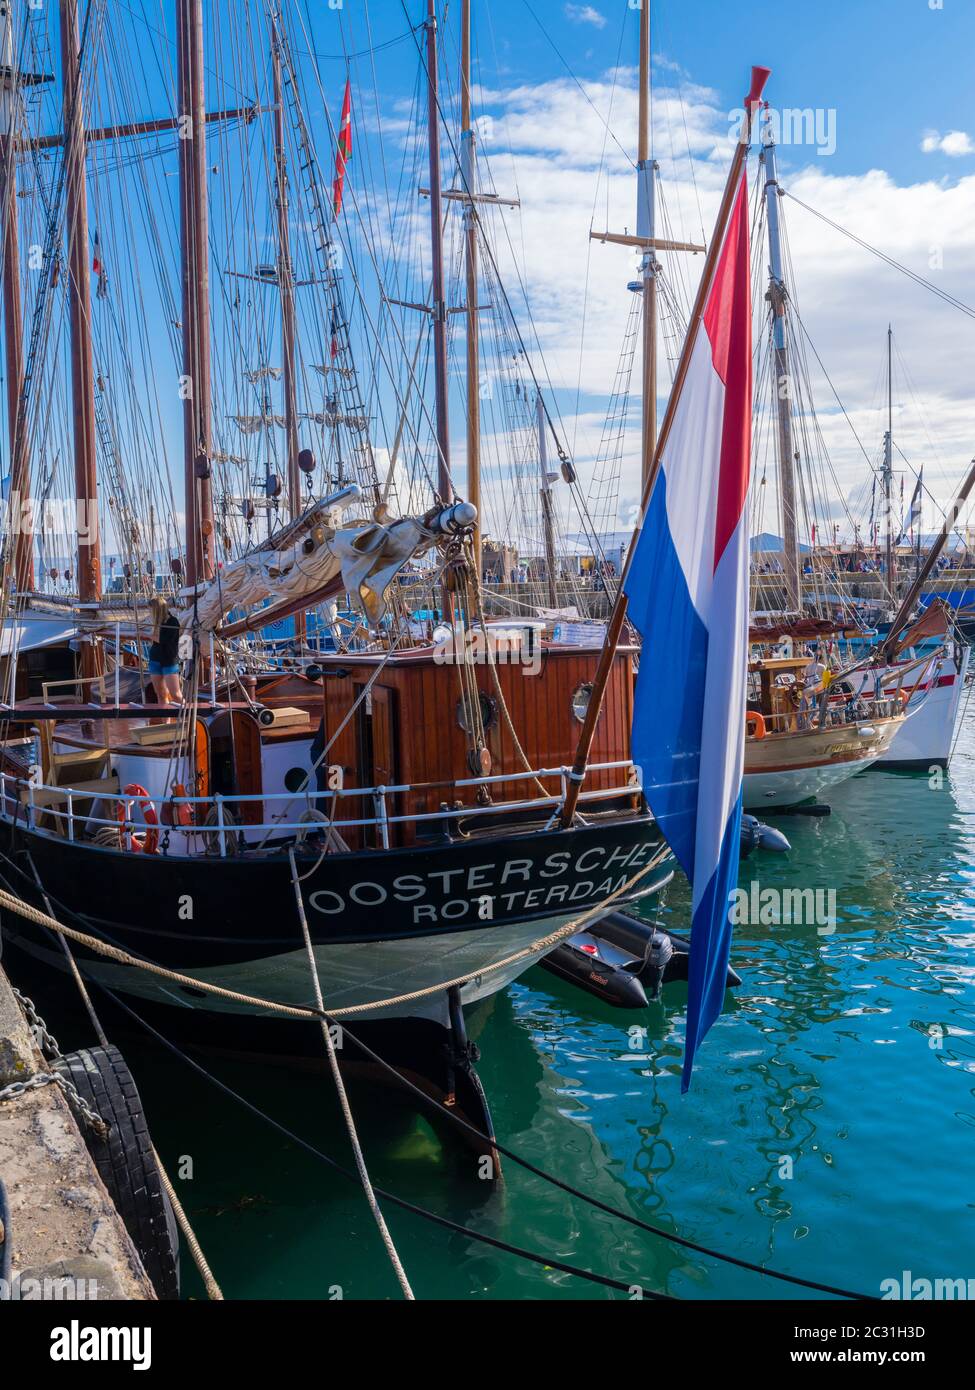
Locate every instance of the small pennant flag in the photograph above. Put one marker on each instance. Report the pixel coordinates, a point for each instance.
(335, 337)
(914, 517)
(344, 152)
(98, 268)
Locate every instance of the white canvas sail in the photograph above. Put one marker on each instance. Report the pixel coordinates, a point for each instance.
(307, 555)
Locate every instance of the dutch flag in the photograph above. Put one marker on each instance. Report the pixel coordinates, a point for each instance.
(687, 590)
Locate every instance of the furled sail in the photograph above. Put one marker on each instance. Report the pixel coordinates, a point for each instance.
(308, 554)
(253, 424)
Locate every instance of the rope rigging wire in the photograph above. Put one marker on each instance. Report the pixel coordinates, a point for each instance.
(888, 260)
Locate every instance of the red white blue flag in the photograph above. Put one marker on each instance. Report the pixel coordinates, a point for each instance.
(687, 590)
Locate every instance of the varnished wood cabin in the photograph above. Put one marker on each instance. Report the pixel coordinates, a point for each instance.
(409, 729)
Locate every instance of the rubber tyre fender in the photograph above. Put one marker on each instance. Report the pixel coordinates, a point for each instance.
(125, 1160)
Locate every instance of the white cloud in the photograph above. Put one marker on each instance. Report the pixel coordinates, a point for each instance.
(955, 143)
(550, 146)
(585, 14)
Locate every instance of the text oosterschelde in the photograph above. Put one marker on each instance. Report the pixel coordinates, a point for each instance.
(485, 891)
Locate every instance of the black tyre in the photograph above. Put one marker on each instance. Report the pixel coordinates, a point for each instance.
(125, 1160)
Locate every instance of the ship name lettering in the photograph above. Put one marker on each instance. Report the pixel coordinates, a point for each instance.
(375, 894)
(474, 879)
(521, 867)
(582, 868)
(445, 875)
(317, 901)
(408, 888)
(555, 864)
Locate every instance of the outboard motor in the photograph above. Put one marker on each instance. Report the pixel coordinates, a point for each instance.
(756, 835)
(659, 953)
(773, 840)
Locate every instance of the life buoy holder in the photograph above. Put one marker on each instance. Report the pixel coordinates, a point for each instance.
(755, 724)
(149, 842)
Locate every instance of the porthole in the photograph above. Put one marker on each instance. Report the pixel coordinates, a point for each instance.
(295, 779)
(489, 713)
(580, 701)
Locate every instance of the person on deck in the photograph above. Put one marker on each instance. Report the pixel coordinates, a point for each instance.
(164, 654)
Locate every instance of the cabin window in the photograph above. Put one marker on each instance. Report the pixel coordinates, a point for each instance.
(295, 779)
(466, 715)
(580, 701)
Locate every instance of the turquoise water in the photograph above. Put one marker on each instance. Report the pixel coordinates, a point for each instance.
(830, 1130)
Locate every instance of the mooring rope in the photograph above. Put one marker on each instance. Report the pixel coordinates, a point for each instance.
(347, 1115)
(546, 1262)
(72, 963)
(542, 945)
(214, 1292)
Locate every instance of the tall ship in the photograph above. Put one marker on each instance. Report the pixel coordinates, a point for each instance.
(397, 776)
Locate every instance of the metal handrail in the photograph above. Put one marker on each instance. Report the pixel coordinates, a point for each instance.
(884, 705)
(345, 792)
(383, 820)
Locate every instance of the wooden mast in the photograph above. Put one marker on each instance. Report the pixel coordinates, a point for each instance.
(82, 363)
(548, 516)
(133, 128)
(13, 321)
(439, 309)
(649, 243)
(890, 556)
(286, 290)
(645, 227)
(617, 618)
(194, 224)
(778, 299)
(468, 156)
(286, 284)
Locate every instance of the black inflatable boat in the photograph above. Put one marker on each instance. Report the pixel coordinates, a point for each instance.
(619, 959)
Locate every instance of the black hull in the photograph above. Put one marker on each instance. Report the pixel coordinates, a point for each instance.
(239, 914)
(233, 922)
(196, 912)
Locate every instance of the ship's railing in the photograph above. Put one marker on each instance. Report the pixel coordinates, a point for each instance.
(807, 718)
(219, 818)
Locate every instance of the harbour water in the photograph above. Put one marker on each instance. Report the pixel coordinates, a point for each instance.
(830, 1130)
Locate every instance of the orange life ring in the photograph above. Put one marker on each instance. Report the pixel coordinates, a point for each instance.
(149, 843)
(178, 815)
(758, 720)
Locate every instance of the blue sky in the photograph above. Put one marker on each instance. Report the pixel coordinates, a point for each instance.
(891, 68)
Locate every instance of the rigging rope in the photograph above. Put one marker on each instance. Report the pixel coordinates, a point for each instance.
(347, 1115)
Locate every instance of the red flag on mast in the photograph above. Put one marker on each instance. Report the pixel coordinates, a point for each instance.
(98, 268)
(344, 152)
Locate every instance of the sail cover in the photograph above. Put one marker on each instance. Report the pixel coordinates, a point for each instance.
(305, 556)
